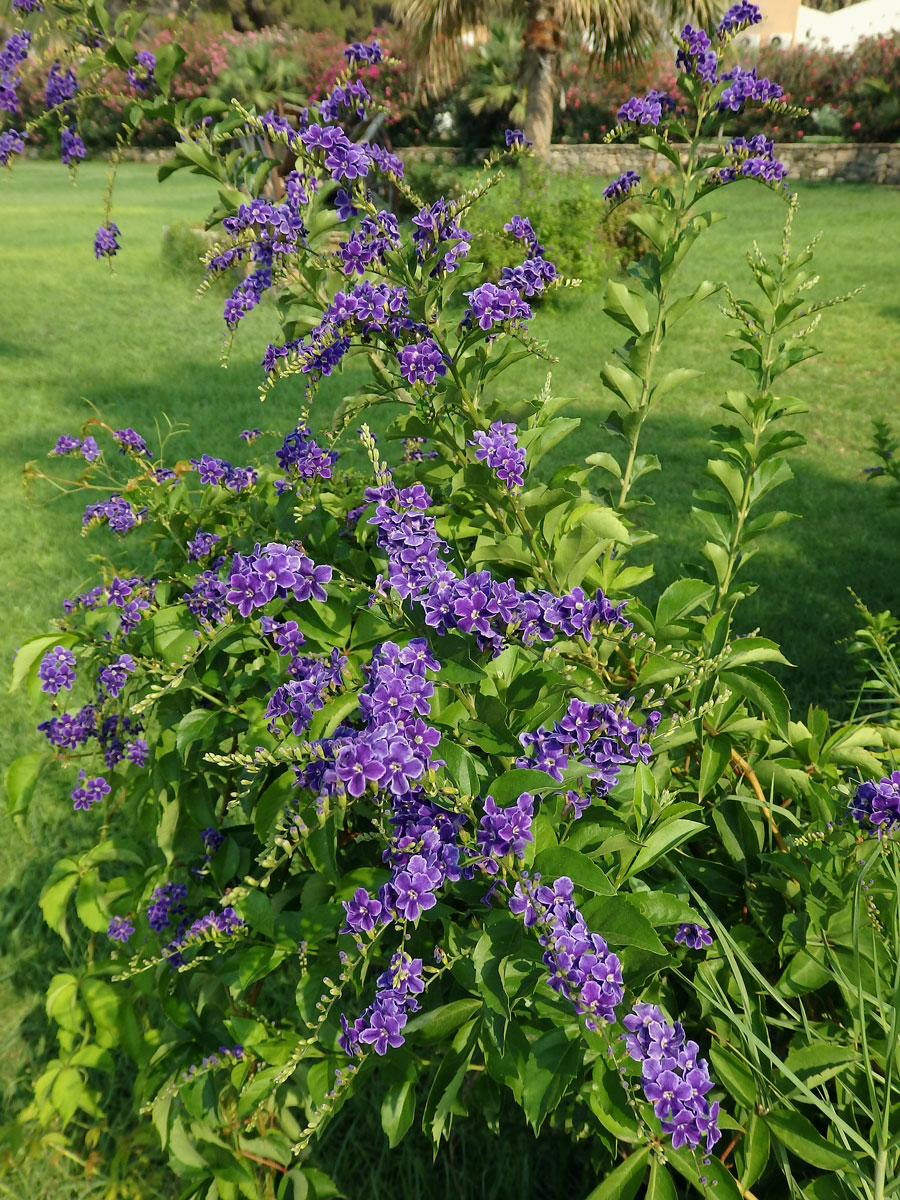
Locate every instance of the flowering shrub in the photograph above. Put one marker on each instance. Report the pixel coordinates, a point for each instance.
(399, 792)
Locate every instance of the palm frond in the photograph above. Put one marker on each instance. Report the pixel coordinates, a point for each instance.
(435, 27)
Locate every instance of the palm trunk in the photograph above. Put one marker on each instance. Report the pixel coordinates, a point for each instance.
(540, 70)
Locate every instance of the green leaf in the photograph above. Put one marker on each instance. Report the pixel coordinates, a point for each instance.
(398, 1110)
(435, 1024)
(756, 1148)
(671, 380)
(584, 873)
(448, 1080)
(621, 923)
(194, 726)
(624, 1181)
(735, 1075)
(549, 1071)
(714, 761)
(55, 894)
(798, 1134)
(762, 690)
(662, 908)
(21, 778)
(816, 1064)
(665, 837)
(683, 304)
(660, 1185)
(460, 766)
(609, 1103)
(624, 306)
(680, 598)
(507, 788)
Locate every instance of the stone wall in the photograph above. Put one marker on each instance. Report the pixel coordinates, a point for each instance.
(870, 162)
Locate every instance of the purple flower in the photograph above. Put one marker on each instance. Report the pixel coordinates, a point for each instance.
(66, 444)
(201, 545)
(300, 455)
(137, 752)
(381, 1024)
(499, 450)
(106, 240)
(57, 670)
(738, 17)
(492, 305)
(127, 440)
(249, 435)
(363, 912)
(695, 937)
(422, 361)
(673, 1078)
(744, 85)
(120, 929)
(621, 186)
(89, 449)
(89, 791)
(643, 110)
(878, 804)
(71, 147)
(114, 676)
(27, 6)
(140, 75)
(11, 142)
(60, 87)
(516, 137)
(360, 54)
(696, 56)
(503, 831)
(166, 901)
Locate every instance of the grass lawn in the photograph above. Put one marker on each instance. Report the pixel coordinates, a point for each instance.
(137, 344)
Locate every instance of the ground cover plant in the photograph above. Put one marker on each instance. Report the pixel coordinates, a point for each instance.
(373, 749)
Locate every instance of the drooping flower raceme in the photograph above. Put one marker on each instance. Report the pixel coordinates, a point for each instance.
(673, 1078)
(621, 185)
(498, 449)
(877, 804)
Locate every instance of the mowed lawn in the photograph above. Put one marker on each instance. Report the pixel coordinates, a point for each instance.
(137, 344)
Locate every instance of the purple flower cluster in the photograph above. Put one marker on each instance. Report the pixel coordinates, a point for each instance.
(877, 804)
(165, 902)
(14, 52)
(106, 240)
(68, 731)
(493, 304)
(224, 1057)
(499, 450)
(695, 937)
(66, 444)
(753, 158)
(305, 693)
(644, 110)
(601, 735)
(27, 6)
(302, 457)
(414, 450)
(695, 54)
(89, 791)
(673, 1078)
(114, 676)
(352, 95)
(11, 141)
(226, 923)
(130, 442)
(221, 473)
(57, 670)
(60, 87)
(274, 572)
(140, 74)
(423, 361)
(345, 160)
(434, 226)
(120, 929)
(206, 599)
(503, 831)
(738, 17)
(127, 596)
(364, 309)
(582, 967)
(249, 435)
(114, 749)
(381, 1024)
(516, 137)
(376, 235)
(201, 545)
(122, 517)
(476, 603)
(71, 147)
(248, 293)
(621, 185)
(743, 86)
(361, 54)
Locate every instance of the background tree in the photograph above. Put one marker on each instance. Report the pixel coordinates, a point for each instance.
(614, 29)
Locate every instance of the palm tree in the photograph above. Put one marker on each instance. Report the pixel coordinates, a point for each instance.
(615, 29)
